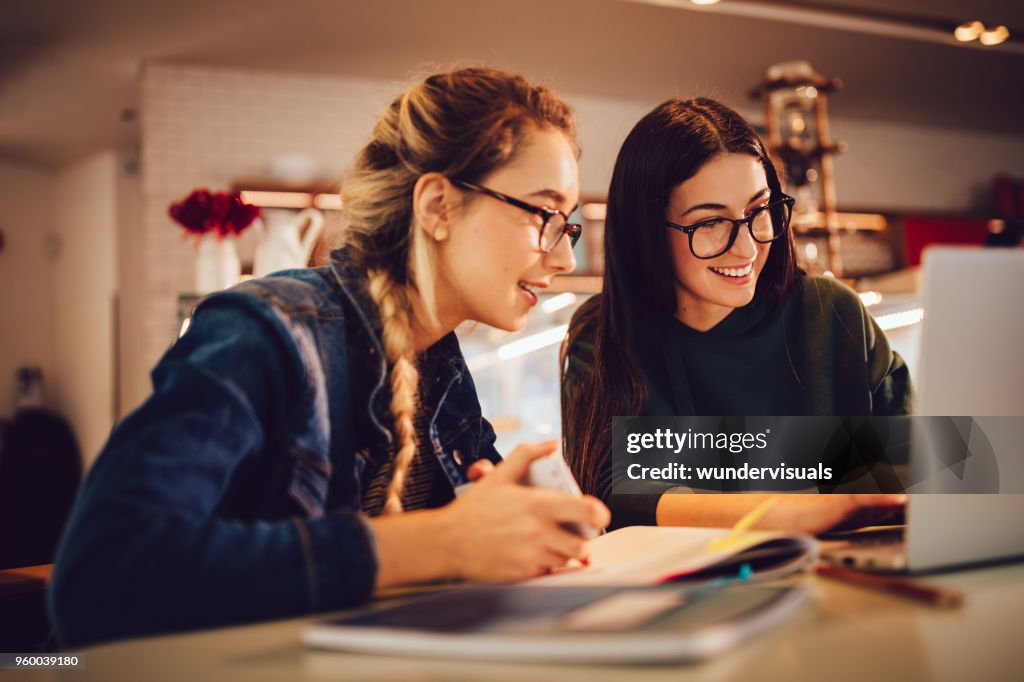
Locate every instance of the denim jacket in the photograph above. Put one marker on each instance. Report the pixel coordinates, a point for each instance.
(233, 493)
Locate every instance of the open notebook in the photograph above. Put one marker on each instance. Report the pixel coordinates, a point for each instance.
(650, 595)
(651, 555)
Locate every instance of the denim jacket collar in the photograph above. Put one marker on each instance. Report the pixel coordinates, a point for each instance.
(450, 364)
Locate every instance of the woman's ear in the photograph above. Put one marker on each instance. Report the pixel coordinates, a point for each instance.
(430, 205)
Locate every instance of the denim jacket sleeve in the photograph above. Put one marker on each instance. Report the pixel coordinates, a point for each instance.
(146, 549)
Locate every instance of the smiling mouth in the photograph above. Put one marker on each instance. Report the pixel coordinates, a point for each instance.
(530, 289)
(734, 272)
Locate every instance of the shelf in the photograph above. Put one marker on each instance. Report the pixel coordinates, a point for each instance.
(275, 194)
(270, 185)
(870, 222)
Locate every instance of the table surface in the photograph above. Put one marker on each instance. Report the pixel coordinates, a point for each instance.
(846, 633)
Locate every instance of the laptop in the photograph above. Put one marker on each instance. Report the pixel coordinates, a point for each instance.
(581, 625)
(972, 365)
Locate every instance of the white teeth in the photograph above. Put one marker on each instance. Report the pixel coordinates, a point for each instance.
(735, 272)
(531, 289)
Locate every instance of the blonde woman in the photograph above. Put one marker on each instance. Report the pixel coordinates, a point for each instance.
(305, 440)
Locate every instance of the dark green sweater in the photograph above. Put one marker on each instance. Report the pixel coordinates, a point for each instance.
(820, 353)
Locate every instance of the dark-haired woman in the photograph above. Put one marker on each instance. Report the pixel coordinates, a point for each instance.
(705, 312)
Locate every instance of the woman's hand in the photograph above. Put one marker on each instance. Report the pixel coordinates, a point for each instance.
(498, 531)
(818, 513)
(502, 531)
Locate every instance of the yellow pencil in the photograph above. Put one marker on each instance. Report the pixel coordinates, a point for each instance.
(744, 524)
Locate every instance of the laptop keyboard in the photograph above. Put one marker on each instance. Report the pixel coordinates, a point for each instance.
(887, 537)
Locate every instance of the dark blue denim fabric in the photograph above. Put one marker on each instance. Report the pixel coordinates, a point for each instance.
(233, 494)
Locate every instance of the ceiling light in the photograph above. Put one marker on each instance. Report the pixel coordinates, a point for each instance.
(704, 2)
(994, 36)
(968, 31)
(826, 15)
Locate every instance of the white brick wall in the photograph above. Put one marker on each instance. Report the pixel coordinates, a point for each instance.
(207, 127)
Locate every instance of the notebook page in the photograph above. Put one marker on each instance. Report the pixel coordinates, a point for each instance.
(645, 555)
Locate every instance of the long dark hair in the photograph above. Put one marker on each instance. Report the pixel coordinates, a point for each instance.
(667, 147)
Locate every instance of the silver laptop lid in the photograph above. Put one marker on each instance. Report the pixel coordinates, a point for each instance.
(972, 363)
(972, 339)
(950, 530)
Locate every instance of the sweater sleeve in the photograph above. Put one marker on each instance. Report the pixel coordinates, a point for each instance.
(146, 550)
(849, 366)
(891, 390)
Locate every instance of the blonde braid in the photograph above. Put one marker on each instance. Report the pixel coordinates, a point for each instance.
(464, 124)
(394, 304)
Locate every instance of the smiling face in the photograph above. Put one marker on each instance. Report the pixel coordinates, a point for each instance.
(727, 186)
(490, 264)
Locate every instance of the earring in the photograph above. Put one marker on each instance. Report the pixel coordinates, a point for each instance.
(441, 233)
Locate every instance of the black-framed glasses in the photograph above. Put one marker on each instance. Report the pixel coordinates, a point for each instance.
(712, 237)
(553, 223)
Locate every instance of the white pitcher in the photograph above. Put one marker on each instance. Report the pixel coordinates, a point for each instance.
(279, 246)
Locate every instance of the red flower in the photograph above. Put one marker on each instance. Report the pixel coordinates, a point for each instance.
(239, 215)
(204, 211)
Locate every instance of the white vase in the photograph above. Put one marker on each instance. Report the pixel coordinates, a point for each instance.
(281, 245)
(217, 264)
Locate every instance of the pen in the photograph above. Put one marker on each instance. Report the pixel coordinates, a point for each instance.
(744, 524)
(937, 596)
